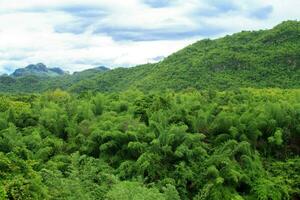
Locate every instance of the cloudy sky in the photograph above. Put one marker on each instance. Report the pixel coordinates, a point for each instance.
(76, 35)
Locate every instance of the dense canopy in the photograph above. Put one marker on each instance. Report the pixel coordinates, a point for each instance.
(241, 144)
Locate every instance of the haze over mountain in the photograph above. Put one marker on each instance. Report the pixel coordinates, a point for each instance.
(41, 70)
(266, 58)
(38, 70)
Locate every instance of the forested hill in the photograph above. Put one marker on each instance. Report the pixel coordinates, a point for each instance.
(266, 58)
(38, 81)
(259, 59)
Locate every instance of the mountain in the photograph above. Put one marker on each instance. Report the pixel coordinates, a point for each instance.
(91, 71)
(38, 70)
(37, 80)
(265, 58)
(258, 59)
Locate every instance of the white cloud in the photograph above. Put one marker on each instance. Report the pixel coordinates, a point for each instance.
(80, 34)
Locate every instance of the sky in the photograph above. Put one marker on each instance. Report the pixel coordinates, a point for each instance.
(80, 34)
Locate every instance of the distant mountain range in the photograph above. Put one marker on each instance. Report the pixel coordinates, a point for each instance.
(259, 59)
(38, 70)
(41, 70)
(38, 78)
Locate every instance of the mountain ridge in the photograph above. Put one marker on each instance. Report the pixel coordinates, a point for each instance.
(264, 58)
(258, 59)
(38, 69)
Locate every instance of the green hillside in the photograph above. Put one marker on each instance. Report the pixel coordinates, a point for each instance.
(268, 58)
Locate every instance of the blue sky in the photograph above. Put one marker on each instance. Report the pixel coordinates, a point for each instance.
(76, 35)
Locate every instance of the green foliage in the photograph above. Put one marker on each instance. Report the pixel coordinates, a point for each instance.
(136, 191)
(277, 138)
(289, 171)
(274, 188)
(241, 144)
(133, 191)
(236, 144)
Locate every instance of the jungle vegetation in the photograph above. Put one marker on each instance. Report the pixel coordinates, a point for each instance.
(218, 120)
(239, 144)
